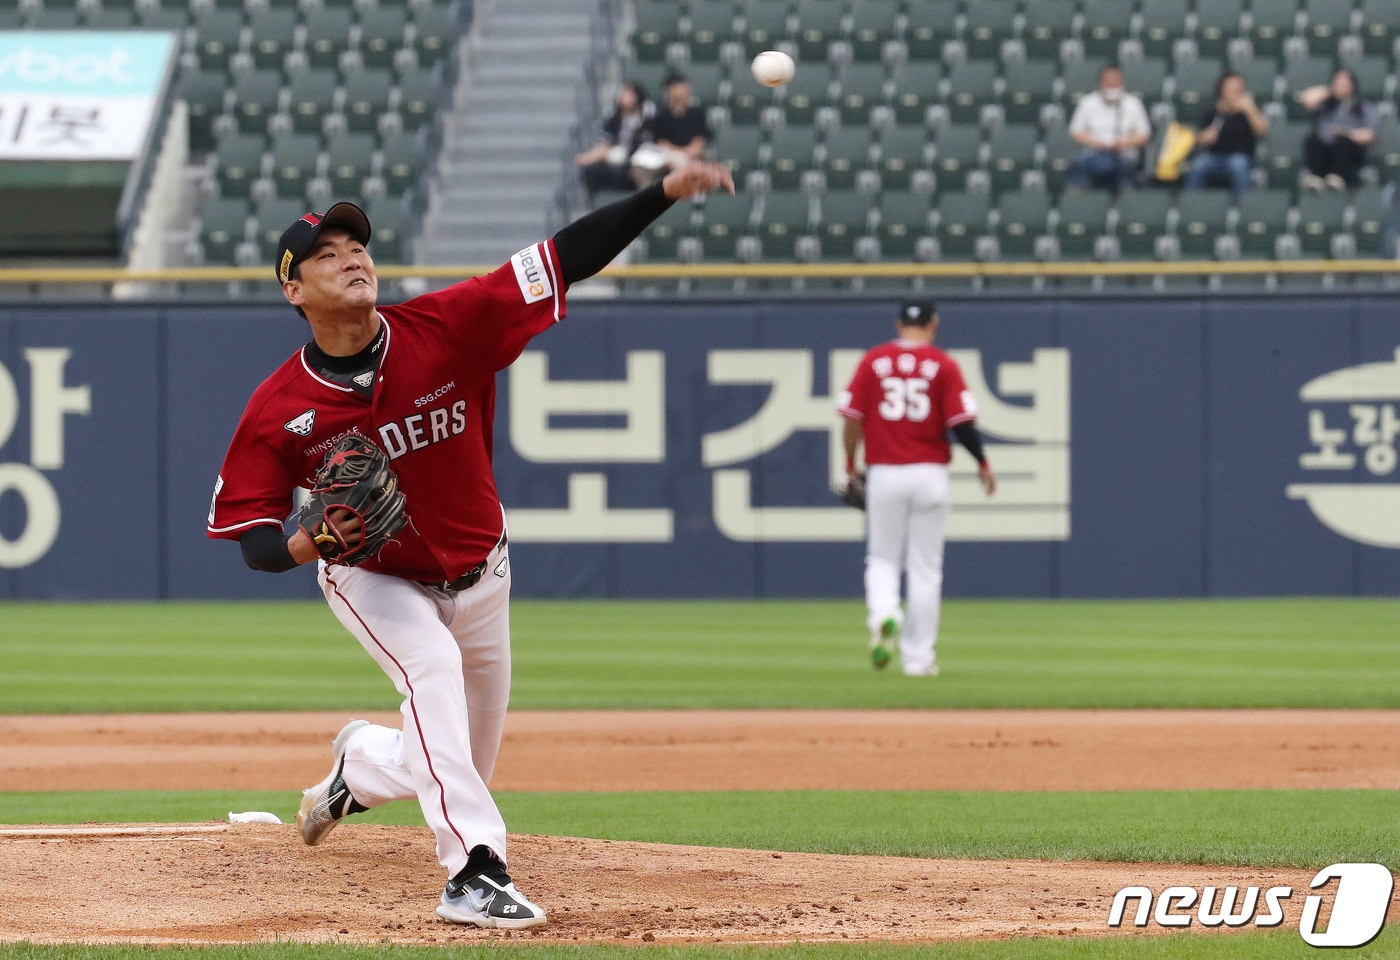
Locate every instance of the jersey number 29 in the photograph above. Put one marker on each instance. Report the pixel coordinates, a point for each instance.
(905, 399)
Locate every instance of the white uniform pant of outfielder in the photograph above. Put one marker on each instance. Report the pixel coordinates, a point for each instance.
(448, 655)
(906, 511)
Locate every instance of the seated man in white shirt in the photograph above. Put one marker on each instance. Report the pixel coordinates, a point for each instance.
(1112, 127)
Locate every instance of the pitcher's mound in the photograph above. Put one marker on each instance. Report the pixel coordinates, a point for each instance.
(226, 883)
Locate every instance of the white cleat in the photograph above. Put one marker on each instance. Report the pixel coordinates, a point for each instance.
(324, 805)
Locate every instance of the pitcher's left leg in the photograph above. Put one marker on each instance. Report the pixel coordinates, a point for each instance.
(924, 572)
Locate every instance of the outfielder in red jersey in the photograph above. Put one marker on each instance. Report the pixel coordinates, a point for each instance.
(432, 607)
(905, 398)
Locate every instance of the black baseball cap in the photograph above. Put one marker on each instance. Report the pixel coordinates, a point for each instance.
(917, 313)
(298, 239)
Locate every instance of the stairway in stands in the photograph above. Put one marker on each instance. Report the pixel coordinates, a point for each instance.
(506, 143)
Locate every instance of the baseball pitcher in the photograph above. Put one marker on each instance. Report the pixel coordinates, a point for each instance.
(386, 416)
(904, 399)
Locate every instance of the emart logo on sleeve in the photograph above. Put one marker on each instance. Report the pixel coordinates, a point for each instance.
(530, 274)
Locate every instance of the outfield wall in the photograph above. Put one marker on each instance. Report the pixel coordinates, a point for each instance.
(1161, 447)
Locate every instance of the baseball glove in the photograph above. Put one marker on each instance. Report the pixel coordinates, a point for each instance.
(853, 493)
(355, 477)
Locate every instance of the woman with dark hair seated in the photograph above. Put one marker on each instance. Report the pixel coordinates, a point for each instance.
(1229, 132)
(1335, 151)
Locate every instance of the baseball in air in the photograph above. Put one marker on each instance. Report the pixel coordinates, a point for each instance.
(772, 68)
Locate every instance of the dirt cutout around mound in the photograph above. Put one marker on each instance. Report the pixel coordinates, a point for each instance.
(368, 883)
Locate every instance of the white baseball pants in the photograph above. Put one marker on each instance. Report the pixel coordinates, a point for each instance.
(906, 510)
(448, 655)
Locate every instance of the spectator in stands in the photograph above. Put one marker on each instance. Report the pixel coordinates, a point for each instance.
(680, 134)
(1335, 151)
(1112, 127)
(607, 165)
(1229, 132)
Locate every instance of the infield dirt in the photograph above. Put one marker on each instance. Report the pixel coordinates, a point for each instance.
(371, 883)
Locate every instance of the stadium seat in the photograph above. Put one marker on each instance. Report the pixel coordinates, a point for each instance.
(1145, 78)
(819, 24)
(663, 235)
(962, 219)
(418, 98)
(844, 220)
(738, 147)
(711, 27)
(902, 151)
(1217, 23)
(1194, 89)
(971, 86)
(217, 36)
(223, 225)
(1385, 152)
(312, 97)
(1022, 219)
(205, 93)
(107, 19)
(436, 29)
(1012, 152)
(656, 28)
(928, 25)
(790, 155)
(1282, 154)
(917, 87)
(1083, 217)
(807, 92)
(272, 217)
(748, 102)
(786, 219)
(1372, 76)
(1027, 88)
(381, 35)
(862, 88)
(1048, 23)
(326, 32)
(400, 162)
(903, 221)
(170, 16)
(1080, 77)
(1379, 27)
(255, 99)
(350, 158)
(1320, 216)
(1109, 25)
(846, 152)
(239, 162)
(1202, 216)
(1258, 76)
(294, 163)
(1300, 74)
(726, 222)
(875, 25)
(366, 98)
(1161, 27)
(957, 152)
(765, 27)
(988, 24)
(1060, 152)
(390, 240)
(1327, 22)
(1368, 212)
(1271, 22)
(273, 31)
(1263, 215)
(1142, 218)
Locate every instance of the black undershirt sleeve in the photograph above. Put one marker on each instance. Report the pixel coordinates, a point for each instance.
(265, 548)
(592, 241)
(967, 435)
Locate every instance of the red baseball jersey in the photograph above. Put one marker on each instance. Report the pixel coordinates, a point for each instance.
(907, 396)
(431, 412)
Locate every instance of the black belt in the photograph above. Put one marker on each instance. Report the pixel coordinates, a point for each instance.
(469, 579)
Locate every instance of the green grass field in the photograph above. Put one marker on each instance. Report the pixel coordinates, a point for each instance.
(1258, 653)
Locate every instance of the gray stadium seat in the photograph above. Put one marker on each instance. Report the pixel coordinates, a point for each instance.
(367, 98)
(239, 163)
(1048, 23)
(381, 32)
(1327, 21)
(971, 86)
(846, 152)
(862, 88)
(726, 222)
(255, 98)
(205, 93)
(711, 26)
(1263, 215)
(765, 27)
(217, 34)
(418, 99)
(1218, 22)
(1272, 22)
(350, 159)
(1320, 216)
(1027, 89)
(1060, 152)
(1299, 74)
(1379, 27)
(1282, 155)
(294, 163)
(1142, 218)
(1080, 77)
(1023, 218)
(273, 32)
(222, 227)
(272, 218)
(1012, 152)
(1145, 78)
(1385, 152)
(1083, 216)
(1201, 217)
(656, 28)
(901, 153)
(819, 24)
(401, 162)
(903, 220)
(989, 23)
(1368, 206)
(786, 218)
(962, 219)
(1194, 93)
(957, 151)
(1107, 27)
(875, 23)
(738, 148)
(807, 92)
(1161, 26)
(312, 97)
(916, 88)
(390, 240)
(791, 155)
(437, 27)
(844, 220)
(663, 235)
(326, 32)
(927, 27)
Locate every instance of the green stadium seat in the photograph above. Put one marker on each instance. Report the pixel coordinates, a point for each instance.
(1327, 22)
(875, 24)
(663, 235)
(705, 81)
(903, 220)
(273, 32)
(1202, 215)
(217, 37)
(1263, 216)
(1217, 23)
(223, 225)
(765, 27)
(711, 26)
(726, 221)
(1048, 23)
(1022, 219)
(390, 240)
(1194, 89)
(205, 93)
(1372, 76)
(255, 99)
(656, 28)
(916, 88)
(1282, 153)
(1079, 78)
(1302, 73)
(239, 163)
(1379, 27)
(401, 157)
(846, 152)
(1108, 26)
(1368, 206)
(1320, 216)
(381, 33)
(1060, 153)
(326, 31)
(418, 99)
(962, 219)
(786, 218)
(436, 29)
(791, 150)
(1272, 22)
(1258, 76)
(294, 159)
(819, 24)
(807, 92)
(1027, 88)
(1145, 79)
(108, 19)
(1161, 25)
(47, 18)
(1012, 153)
(844, 220)
(367, 95)
(988, 24)
(1083, 216)
(272, 217)
(862, 88)
(170, 16)
(1142, 218)
(929, 24)
(350, 159)
(1385, 152)
(749, 100)
(901, 153)
(738, 148)
(971, 86)
(957, 152)
(312, 98)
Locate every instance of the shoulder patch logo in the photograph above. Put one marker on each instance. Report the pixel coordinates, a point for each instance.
(531, 275)
(302, 425)
(366, 378)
